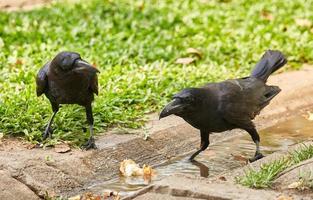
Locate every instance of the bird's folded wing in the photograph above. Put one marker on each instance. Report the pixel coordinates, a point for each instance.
(94, 85)
(42, 79)
(239, 102)
(91, 73)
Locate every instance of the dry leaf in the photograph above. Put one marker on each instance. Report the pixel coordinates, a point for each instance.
(309, 116)
(89, 196)
(266, 15)
(77, 197)
(185, 61)
(61, 148)
(194, 51)
(283, 197)
(108, 194)
(31, 146)
(240, 158)
(303, 22)
(18, 62)
(141, 5)
(295, 185)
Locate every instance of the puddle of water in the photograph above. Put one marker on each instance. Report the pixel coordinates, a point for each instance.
(220, 157)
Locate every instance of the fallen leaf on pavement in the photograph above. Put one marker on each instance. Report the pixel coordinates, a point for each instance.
(77, 197)
(31, 146)
(185, 61)
(310, 116)
(195, 52)
(295, 185)
(303, 22)
(240, 158)
(283, 197)
(61, 148)
(90, 196)
(113, 194)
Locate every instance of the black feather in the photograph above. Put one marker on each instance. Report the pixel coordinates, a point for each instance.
(269, 63)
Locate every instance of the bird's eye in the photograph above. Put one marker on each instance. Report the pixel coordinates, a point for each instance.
(189, 99)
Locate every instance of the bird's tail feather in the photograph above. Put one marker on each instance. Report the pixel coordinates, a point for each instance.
(270, 93)
(270, 62)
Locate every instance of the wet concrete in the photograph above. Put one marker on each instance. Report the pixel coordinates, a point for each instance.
(223, 186)
(220, 157)
(189, 187)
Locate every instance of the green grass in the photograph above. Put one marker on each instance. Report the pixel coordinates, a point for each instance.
(135, 46)
(264, 177)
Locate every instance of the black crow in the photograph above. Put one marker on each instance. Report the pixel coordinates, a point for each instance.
(68, 79)
(230, 104)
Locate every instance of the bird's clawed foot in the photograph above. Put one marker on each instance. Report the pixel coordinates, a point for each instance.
(256, 157)
(47, 133)
(90, 144)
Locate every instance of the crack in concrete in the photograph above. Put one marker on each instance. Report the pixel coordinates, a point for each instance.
(36, 192)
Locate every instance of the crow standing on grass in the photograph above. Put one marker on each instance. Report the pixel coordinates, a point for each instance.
(230, 104)
(68, 79)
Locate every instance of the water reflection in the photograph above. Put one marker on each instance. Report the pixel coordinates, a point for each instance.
(204, 170)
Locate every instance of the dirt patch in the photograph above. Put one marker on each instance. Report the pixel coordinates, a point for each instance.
(67, 174)
(14, 5)
(42, 170)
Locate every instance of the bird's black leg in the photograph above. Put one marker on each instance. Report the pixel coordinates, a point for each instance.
(91, 142)
(48, 130)
(204, 144)
(256, 139)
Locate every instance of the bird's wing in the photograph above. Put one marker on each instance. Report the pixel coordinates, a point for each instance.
(94, 85)
(91, 73)
(240, 100)
(42, 79)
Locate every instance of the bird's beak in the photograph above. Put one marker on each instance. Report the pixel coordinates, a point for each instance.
(82, 65)
(174, 107)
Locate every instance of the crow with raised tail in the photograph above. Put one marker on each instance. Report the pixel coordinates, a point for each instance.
(68, 79)
(234, 103)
